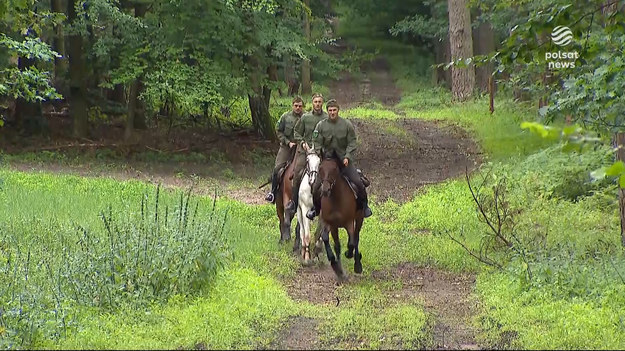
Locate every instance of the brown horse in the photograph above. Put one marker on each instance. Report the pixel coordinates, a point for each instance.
(284, 194)
(339, 210)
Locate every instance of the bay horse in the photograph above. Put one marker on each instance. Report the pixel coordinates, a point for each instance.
(305, 202)
(339, 210)
(283, 195)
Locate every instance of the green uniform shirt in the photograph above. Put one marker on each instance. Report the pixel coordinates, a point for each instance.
(285, 127)
(338, 136)
(306, 126)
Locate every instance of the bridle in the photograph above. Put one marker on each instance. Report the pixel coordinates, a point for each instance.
(331, 186)
(312, 175)
(329, 191)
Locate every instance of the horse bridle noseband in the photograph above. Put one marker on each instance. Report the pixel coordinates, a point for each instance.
(331, 186)
(310, 173)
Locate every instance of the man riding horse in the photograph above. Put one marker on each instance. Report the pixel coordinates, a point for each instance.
(285, 130)
(303, 135)
(335, 136)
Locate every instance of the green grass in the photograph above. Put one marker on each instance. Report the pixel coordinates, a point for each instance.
(38, 209)
(239, 312)
(370, 320)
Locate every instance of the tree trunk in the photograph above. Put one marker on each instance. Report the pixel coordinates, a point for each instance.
(26, 113)
(443, 55)
(259, 101)
(77, 73)
(306, 85)
(139, 120)
(289, 76)
(483, 43)
(620, 156)
(132, 106)
(261, 119)
(462, 79)
(60, 63)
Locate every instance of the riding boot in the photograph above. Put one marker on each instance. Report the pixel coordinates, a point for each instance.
(365, 205)
(313, 212)
(271, 196)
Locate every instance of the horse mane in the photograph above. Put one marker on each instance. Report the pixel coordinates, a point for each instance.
(332, 157)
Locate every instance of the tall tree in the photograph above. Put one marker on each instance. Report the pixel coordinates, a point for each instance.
(484, 44)
(460, 40)
(60, 65)
(78, 76)
(306, 85)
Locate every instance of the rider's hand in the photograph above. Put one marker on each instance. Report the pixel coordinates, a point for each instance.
(305, 146)
(345, 162)
(291, 144)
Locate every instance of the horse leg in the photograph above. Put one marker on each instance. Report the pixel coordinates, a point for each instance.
(350, 241)
(338, 269)
(305, 237)
(357, 254)
(286, 226)
(318, 241)
(326, 242)
(336, 265)
(298, 243)
(281, 218)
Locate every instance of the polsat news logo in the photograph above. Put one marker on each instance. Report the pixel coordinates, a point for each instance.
(561, 36)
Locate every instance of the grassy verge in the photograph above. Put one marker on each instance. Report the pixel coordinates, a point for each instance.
(567, 225)
(237, 308)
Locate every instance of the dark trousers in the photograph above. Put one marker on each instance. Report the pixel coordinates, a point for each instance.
(351, 173)
(284, 155)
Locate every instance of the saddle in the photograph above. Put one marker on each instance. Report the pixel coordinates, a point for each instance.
(283, 168)
(365, 182)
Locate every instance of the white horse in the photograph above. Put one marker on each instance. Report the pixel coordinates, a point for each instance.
(305, 202)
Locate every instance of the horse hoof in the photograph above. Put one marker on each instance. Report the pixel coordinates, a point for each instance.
(357, 268)
(349, 254)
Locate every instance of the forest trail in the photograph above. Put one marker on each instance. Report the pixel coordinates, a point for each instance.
(398, 164)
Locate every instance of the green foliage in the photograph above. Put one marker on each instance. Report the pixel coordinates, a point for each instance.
(53, 268)
(539, 318)
(31, 83)
(237, 313)
(498, 134)
(372, 110)
(588, 91)
(432, 24)
(568, 176)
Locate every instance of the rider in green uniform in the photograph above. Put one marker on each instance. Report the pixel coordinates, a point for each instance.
(285, 128)
(336, 135)
(303, 135)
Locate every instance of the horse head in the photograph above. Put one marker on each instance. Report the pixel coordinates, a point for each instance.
(329, 173)
(312, 165)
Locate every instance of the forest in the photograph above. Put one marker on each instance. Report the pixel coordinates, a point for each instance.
(138, 139)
